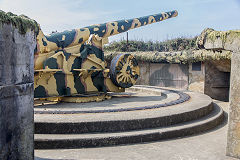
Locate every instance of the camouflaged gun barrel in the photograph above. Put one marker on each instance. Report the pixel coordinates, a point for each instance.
(79, 36)
(66, 66)
(116, 27)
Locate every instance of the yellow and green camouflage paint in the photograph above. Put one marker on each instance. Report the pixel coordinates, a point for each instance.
(72, 62)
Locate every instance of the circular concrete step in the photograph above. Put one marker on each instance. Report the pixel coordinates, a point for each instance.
(53, 141)
(152, 107)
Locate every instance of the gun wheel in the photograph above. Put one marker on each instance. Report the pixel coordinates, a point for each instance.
(124, 70)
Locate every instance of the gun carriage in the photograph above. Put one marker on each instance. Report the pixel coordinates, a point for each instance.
(71, 63)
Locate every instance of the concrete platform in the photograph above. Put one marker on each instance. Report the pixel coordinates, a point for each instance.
(199, 106)
(150, 98)
(52, 141)
(210, 145)
(168, 114)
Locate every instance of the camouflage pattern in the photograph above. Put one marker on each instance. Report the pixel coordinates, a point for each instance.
(124, 70)
(72, 62)
(163, 75)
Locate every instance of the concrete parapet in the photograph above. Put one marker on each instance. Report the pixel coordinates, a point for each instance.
(219, 40)
(16, 90)
(233, 140)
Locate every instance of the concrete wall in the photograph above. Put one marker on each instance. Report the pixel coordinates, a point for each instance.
(163, 75)
(216, 82)
(16, 93)
(144, 73)
(233, 139)
(196, 79)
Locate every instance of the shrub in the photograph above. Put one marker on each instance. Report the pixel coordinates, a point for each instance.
(177, 44)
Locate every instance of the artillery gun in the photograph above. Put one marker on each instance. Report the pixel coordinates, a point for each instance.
(71, 63)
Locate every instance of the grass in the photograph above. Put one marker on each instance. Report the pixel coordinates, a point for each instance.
(185, 56)
(21, 22)
(177, 44)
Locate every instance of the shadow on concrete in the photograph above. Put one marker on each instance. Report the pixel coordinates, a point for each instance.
(108, 103)
(38, 158)
(220, 126)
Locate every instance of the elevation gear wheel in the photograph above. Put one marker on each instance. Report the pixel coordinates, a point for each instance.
(124, 70)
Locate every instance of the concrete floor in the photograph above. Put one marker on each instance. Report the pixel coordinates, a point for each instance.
(210, 145)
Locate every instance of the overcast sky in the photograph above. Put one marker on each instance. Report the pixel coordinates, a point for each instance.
(194, 15)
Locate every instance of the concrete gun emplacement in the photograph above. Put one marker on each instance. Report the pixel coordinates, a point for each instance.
(71, 63)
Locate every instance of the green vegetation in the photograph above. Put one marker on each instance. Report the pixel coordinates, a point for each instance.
(178, 44)
(186, 56)
(209, 35)
(179, 50)
(21, 22)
